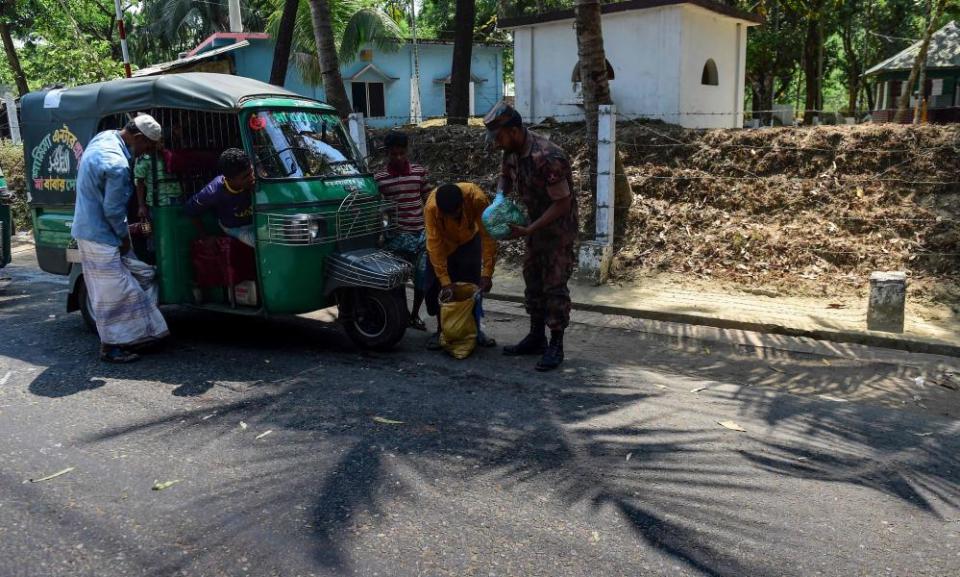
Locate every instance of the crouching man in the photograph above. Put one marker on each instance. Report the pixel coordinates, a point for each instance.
(459, 248)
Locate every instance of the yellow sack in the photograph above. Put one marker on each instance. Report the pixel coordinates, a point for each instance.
(458, 323)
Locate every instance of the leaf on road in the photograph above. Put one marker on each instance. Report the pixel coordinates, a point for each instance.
(158, 486)
(53, 476)
(386, 421)
(698, 389)
(5, 378)
(629, 455)
(832, 398)
(263, 434)
(776, 370)
(596, 536)
(826, 362)
(733, 426)
(208, 416)
(243, 425)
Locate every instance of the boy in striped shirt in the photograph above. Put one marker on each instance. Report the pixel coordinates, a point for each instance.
(405, 183)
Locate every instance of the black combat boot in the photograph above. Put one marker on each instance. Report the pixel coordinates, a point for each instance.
(532, 344)
(553, 356)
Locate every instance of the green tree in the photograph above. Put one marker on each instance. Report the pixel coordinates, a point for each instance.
(931, 26)
(16, 18)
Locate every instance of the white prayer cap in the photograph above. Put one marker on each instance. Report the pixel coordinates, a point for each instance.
(149, 127)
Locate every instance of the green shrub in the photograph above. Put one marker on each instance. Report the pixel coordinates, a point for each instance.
(11, 160)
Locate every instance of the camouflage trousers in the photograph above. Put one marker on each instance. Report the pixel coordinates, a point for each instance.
(547, 267)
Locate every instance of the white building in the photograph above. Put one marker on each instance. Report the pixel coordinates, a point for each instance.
(678, 61)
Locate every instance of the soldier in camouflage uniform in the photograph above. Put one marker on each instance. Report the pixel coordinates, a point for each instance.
(538, 171)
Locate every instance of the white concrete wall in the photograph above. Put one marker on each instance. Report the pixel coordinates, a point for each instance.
(642, 46)
(709, 35)
(657, 57)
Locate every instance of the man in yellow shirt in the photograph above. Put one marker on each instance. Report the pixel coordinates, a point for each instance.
(459, 248)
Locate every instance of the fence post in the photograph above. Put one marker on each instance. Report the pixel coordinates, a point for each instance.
(13, 119)
(595, 255)
(358, 132)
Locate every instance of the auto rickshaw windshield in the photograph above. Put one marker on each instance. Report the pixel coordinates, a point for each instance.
(300, 144)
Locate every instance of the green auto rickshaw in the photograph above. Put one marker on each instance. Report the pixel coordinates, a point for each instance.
(317, 212)
(6, 222)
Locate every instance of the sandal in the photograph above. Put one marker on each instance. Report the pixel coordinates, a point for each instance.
(417, 323)
(484, 341)
(118, 355)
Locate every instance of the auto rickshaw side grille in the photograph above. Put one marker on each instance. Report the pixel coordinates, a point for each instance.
(361, 216)
(298, 229)
(354, 219)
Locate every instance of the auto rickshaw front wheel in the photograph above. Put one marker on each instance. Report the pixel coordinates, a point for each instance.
(374, 319)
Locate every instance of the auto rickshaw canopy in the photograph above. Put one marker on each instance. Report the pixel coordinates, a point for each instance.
(69, 118)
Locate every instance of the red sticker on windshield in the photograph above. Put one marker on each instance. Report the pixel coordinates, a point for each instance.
(257, 123)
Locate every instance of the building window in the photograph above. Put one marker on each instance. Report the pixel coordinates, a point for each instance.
(710, 77)
(368, 98)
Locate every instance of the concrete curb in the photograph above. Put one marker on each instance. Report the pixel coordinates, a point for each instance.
(902, 343)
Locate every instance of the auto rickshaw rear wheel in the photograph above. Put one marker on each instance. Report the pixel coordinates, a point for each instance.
(375, 319)
(86, 308)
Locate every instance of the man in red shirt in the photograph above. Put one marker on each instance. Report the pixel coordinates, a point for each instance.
(405, 183)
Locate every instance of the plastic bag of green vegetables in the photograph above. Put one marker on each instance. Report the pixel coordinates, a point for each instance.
(501, 213)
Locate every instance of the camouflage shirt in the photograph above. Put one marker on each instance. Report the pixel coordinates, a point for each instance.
(540, 174)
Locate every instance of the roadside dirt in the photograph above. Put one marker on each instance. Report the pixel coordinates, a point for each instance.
(794, 211)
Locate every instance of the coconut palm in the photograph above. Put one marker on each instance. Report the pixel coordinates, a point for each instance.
(353, 23)
(320, 25)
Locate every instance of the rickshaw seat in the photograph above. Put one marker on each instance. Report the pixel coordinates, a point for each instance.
(222, 261)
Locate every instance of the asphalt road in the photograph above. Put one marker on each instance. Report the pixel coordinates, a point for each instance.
(296, 454)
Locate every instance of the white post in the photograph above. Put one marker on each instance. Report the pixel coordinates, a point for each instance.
(358, 132)
(606, 172)
(416, 111)
(595, 255)
(236, 22)
(13, 120)
(472, 100)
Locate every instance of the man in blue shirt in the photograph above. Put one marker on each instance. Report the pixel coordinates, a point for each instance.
(120, 288)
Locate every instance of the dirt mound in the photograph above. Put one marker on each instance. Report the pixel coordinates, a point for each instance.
(801, 209)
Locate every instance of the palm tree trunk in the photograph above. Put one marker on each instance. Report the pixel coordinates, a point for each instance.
(334, 92)
(811, 63)
(281, 54)
(462, 54)
(903, 103)
(13, 60)
(593, 74)
(596, 91)
(922, 80)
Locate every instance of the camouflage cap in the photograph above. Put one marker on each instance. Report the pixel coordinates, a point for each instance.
(500, 116)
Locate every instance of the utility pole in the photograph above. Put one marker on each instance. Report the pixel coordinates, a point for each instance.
(236, 23)
(416, 113)
(123, 38)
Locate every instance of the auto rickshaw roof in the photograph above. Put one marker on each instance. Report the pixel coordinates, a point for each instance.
(191, 91)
